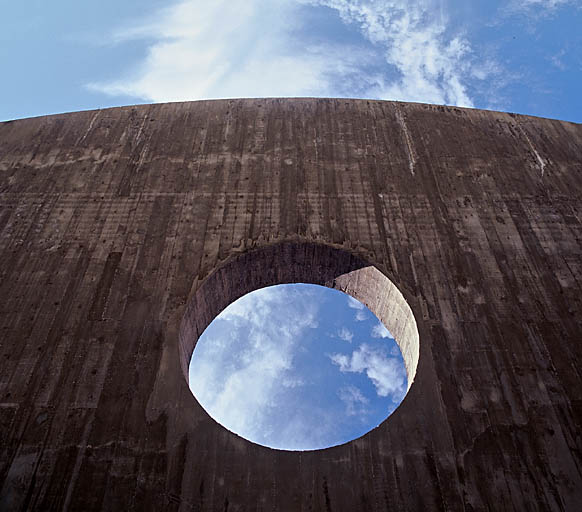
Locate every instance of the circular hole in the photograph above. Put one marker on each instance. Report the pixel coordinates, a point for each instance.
(286, 263)
(297, 367)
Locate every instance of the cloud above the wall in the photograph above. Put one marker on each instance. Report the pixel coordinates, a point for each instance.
(399, 50)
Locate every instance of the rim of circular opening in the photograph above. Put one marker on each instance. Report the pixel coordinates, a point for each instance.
(295, 262)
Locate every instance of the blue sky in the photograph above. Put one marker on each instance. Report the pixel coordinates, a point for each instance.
(298, 367)
(516, 55)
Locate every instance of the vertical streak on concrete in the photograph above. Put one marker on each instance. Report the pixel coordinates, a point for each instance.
(89, 128)
(407, 140)
(534, 150)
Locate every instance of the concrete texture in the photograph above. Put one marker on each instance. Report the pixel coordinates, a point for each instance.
(116, 225)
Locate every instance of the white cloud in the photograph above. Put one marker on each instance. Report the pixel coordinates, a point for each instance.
(239, 48)
(386, 373)
(354, 400)
(355, 304)
(221, 367)
(380, 331)
(345, 334)
(537, 9)
(361, 314)
(259, 48)
(557, 60)
(310, 430)
(292, 382)
(546, 4)
(415, 39)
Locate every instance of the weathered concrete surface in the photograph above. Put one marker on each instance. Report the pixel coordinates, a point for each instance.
(111, 220)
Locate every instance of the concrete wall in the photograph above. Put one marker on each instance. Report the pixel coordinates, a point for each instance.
(111, 222)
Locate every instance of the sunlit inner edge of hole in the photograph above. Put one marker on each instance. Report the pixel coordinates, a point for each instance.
(297, 367)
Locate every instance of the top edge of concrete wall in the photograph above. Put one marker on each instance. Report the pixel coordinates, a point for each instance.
(295, 99)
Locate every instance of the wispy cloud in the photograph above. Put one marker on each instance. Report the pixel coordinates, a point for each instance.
(273, 323)
(355, 304)
(354, 400)
(557, 60)
(361, 314)
(536, 10)
(400, 50)
(545, 4)
(239, 48)
(386, 374)
(414, 36)
(345, 334)
(380, 331)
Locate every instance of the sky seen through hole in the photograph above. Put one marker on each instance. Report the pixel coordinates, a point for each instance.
(298, 367)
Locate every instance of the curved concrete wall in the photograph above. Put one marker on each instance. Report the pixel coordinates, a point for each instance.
(111, 222)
